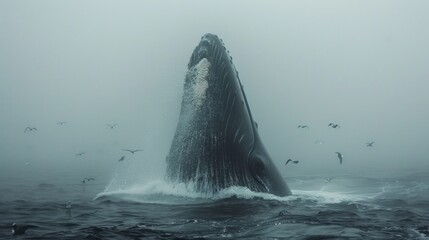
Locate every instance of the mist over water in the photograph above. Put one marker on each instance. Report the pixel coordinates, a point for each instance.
(360, 64)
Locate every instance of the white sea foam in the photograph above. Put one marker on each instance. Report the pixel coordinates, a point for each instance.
(160, 191)
(330, 196)
(181, 190)
(148, 192)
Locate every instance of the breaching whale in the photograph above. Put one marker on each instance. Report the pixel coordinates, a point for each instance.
(216, 144)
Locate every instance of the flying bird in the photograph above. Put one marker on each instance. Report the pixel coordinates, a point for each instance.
(340, 156)
(112, 126)
(62, 123)
(334, 125)
(19, 230)
(121, 159)
(132, 151)
(329, 179)
(87, 180)
(302, 126)
(80, 154)
(290, 160)
(318, 142)
(29, 129)
(369, 144)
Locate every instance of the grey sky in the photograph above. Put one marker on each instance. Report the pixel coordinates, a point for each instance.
(362, 64)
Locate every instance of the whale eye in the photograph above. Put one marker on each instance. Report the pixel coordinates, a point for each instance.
(259, 165)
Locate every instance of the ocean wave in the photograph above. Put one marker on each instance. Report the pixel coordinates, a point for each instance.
(166, 193)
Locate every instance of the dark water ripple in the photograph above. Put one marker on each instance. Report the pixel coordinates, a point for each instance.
(375, 209)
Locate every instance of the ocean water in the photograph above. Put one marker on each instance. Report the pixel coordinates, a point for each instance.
(343, 208)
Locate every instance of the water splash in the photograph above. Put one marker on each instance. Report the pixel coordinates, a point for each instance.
(324, 197)
(160, 191)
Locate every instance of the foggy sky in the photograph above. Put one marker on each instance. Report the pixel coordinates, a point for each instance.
(361, 64)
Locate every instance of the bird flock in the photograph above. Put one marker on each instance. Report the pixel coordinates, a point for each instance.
(20, 229)
(82, 154)
(122, 158)
(339, 155)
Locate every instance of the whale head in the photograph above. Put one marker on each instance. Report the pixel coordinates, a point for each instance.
(216, 144)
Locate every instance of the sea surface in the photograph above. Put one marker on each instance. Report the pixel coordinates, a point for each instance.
(342, 208)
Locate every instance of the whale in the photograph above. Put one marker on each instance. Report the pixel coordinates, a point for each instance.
(216, 144)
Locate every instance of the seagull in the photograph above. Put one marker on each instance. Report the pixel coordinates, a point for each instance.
(290, 160)
(18, 230)
(369, 144)
(68, 205)
(121, 159)
(340, 156)
(334, 125)
(318, 142)
(87, 180)
(112, 126)
(80, 154)
(29, 129)
(302, 126)
(132, 151)
(62, 123)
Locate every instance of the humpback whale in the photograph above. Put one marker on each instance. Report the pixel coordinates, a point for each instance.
(216, 144)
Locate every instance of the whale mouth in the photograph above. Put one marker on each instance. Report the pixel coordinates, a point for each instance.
(200, 53)
(207, 48)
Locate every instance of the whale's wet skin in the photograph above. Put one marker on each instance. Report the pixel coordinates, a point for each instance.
(217, 144)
